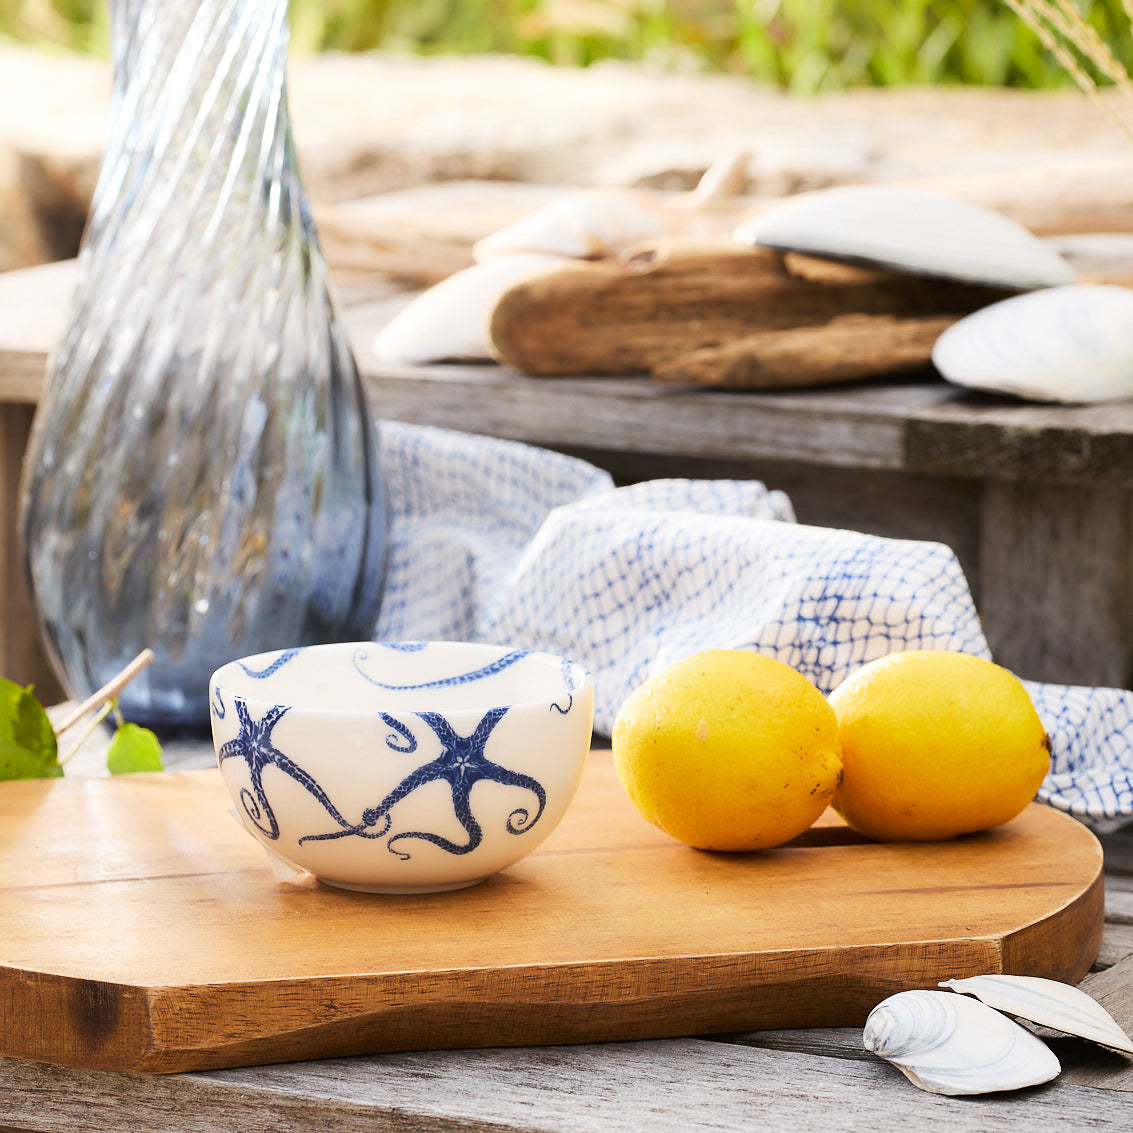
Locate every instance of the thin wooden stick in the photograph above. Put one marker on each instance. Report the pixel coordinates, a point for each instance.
(85, 733)
(107, 692)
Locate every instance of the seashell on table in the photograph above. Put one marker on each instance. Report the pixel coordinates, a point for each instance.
(607, 221)
(950, 1044)
(1048, 1003)
(585, 225)
(909, 230)
(450, 319)
(1071, 344)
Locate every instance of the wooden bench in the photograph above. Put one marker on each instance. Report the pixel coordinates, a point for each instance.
(1034, 500)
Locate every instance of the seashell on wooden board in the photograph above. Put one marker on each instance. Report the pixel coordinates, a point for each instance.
(1070, 344)
(950, 1044)
(909, 230)
(1049, 1003)
(594, 223)
(450, 320)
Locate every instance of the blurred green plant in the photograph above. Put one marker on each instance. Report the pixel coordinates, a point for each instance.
(802, 46)
(1082, 52)
(80, 25)
(29, 744)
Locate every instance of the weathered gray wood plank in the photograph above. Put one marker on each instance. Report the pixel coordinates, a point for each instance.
(675, 1085)
(1056, 580)
(635, 415)
(1119, 901)
(49, 1099)
(1118, 848)
(681, 1085)
(1084, 1063)
(827, 1042)
(973, 434)
(1117, 943)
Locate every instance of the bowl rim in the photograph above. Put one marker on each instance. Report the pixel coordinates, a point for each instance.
(217, 683)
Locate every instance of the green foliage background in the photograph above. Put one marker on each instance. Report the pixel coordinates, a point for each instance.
(800, 45)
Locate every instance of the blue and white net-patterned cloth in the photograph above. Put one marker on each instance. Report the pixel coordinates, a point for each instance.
(498, 541)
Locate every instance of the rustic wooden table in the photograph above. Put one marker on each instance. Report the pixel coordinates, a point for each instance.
(1036, 501)
(770, 1080)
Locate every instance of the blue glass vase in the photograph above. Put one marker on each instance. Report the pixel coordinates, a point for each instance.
(202, 476)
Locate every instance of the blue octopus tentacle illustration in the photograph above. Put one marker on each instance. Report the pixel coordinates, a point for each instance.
(464, 816)
(391, 741)
(273, 667)
(461, 764)
(488, 670)
(253, 744)
(219, 710)
(570, 680)
(371, 816)
(520, 819)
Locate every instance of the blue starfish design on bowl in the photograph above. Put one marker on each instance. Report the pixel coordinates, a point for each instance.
(254, 745)
(462, 764)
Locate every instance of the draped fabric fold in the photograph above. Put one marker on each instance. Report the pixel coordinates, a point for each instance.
(497, 541)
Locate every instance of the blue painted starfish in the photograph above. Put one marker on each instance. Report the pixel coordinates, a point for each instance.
(253, 744)
(461, 764)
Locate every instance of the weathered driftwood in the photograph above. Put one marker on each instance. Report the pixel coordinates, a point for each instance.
(846, 348)
(726, 315)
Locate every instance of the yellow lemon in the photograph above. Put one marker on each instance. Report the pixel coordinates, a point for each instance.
(936, 744)
(728, 750)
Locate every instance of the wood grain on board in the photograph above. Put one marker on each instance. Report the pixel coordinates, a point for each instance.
(144, 930)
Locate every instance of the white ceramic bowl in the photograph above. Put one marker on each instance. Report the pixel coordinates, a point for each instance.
(401, 767)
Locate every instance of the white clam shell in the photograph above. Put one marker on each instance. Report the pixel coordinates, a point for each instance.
(1065, 344)
(450, 320)
(911, 230)
(594, 223)
(584, 225)
(1048, 1003)
(950, 1044)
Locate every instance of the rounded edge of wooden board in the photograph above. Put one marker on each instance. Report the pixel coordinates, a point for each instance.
(135, 1028)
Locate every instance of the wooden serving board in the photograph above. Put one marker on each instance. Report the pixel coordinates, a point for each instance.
(142, 929)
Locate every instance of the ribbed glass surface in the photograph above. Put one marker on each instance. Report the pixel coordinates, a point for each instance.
(202, 476)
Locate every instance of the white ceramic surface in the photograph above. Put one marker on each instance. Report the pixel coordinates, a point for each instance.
(401, 767)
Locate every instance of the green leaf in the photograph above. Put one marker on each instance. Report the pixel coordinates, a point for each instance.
(133, 749)
(28, 749)
(19, 763)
